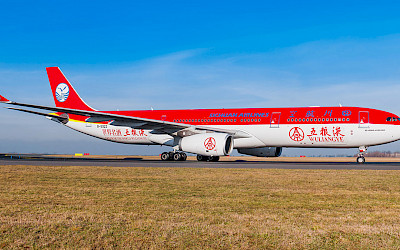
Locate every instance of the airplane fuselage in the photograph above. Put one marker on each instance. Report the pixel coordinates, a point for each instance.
(337, 127)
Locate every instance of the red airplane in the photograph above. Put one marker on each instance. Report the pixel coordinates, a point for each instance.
(211, 133)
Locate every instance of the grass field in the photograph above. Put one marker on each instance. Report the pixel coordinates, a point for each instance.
(101, 207)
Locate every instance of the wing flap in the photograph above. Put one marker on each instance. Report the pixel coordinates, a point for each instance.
(97, 119)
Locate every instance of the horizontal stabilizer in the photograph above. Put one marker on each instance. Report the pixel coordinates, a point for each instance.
(61, 119)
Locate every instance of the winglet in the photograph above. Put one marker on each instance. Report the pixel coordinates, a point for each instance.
(3, 99)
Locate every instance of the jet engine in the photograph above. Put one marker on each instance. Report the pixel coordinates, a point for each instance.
(208, 144)
(262, 152)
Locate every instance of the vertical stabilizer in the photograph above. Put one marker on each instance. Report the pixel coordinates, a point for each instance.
(64, 94)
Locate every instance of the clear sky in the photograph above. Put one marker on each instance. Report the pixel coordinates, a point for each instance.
(194, 54)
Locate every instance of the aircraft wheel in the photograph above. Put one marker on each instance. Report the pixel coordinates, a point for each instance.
(201, 158)
(360, 160)
(213, 158)
(177, 156)
(165, 156)
(183, 156)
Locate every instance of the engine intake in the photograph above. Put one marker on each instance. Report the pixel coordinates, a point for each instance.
(208, 144)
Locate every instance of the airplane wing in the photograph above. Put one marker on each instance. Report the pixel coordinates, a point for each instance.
(157, 126)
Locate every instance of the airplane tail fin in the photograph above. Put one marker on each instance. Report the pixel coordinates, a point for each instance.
(3, 99)
(64, 94)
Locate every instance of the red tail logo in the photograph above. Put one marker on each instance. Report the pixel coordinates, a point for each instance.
(64, 94)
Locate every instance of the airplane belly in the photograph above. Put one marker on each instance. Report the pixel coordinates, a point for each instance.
(112, 133)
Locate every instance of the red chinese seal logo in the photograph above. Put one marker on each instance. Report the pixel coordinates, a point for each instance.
(209, 143)
(296, 134)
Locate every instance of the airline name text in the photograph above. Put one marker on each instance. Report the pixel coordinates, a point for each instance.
(239, 114)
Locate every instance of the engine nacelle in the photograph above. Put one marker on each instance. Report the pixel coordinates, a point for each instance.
(262, 152)
(208, 144)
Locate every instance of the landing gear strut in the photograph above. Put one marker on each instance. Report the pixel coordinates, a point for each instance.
(207, 158)
(173, 156)
(361, 158)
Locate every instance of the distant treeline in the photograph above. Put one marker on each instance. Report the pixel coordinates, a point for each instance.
(383, 154)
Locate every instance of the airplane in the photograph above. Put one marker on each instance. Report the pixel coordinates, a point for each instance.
(211, 133)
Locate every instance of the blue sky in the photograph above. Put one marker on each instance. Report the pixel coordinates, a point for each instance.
(194, 54)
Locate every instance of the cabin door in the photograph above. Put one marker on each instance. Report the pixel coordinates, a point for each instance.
(275, 118)
(363, 119)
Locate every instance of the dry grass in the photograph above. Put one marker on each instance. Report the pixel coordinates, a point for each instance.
(102, 207)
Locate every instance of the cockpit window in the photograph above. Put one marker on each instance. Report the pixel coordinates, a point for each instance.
(393, 119)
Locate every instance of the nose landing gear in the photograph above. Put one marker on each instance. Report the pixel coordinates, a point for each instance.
(361, 158)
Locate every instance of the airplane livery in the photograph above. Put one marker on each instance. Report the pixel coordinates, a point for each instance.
(211, 133)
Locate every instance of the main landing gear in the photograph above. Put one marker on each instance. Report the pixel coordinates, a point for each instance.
(173, 156)
(361, 158)
(207, 158)
(181, 156)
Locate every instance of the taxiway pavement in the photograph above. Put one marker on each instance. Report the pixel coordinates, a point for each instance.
(239, 164)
